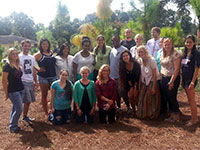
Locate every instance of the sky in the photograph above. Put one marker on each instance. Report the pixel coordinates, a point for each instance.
(44, 11)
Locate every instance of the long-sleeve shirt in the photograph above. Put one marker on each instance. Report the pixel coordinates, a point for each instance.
(107, 90)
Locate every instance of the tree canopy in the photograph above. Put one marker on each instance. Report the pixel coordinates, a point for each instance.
(141, 18)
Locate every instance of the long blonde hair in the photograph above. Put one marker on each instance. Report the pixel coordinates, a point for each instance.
(10, 51)
(100, 76)
(145, 51)
(164, 51)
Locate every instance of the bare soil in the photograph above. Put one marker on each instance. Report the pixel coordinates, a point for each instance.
(128, 133)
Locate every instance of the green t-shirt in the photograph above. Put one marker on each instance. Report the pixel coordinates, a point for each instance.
(60, 100)
(101, 58)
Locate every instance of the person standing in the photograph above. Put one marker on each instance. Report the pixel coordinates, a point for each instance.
(138, 39)
(153, 44)
(47, 74)
(163, 103)
(83, 58)
(149, 97)
(29, 77)
(170, 80)
(101, 52)
(114, 68)
(190, 69)
(64, 61)
(13, 88)
(128, 42)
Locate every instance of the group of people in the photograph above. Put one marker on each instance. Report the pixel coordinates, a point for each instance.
(145, 77)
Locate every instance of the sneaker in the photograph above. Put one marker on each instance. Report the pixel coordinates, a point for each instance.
(28, 120)
(15, 130)
(51, 118)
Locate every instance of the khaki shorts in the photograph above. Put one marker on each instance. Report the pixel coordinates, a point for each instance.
(29, 95)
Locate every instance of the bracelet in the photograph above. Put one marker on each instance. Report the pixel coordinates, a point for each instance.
(192, 83)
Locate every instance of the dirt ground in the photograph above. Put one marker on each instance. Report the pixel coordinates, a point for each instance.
(128, 133)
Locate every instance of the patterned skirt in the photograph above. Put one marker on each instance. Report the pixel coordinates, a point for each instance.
(148, 103)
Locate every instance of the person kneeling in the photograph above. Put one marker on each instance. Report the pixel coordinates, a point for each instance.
(106, 92)
(85, 97)
(61, 97)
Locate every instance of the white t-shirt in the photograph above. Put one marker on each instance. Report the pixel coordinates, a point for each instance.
(27, 63)
(65, 64)
(84, 61)
(114, 61)
(133, 51)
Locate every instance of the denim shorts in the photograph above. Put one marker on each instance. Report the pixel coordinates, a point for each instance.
(48, 80)
(29, 95)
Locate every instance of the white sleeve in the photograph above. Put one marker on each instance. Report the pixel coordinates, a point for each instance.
(75, 59)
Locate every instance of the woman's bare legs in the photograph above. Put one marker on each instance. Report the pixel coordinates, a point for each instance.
(44, 94)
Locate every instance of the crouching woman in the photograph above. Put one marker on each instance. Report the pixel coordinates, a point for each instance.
(61, 97)
(106, 91)
(85, 97)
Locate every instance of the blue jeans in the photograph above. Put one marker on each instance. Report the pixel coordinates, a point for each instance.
(85, 117)
(16, 99)
(61, 116)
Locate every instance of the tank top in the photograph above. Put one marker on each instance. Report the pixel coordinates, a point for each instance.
(48, 63)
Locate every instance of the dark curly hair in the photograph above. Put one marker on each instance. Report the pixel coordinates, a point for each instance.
(122, 69)
(60, 53)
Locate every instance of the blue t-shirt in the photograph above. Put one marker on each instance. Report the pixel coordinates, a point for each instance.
(158, 55)
(60, 100)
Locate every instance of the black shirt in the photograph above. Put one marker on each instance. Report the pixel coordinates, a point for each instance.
(128, 44)
(85, 104)
(133, 76)
(14, 78)
(189, 63)
(48, 63)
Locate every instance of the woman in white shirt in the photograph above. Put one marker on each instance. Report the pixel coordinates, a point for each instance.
(64, 60)
(149, 97)
(138, 39)
(83, 58)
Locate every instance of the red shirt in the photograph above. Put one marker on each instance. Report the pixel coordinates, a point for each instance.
(107, 90)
